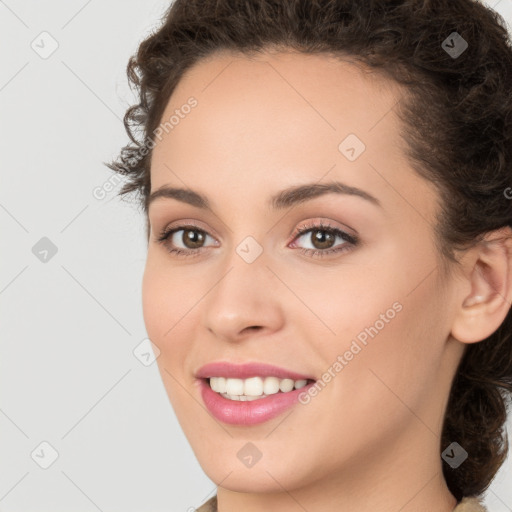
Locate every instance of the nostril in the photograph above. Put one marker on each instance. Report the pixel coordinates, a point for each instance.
(253, 327)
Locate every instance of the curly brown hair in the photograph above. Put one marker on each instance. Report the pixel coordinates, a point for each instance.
(457, 124)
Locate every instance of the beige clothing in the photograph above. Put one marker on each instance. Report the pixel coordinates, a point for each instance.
(466, 505)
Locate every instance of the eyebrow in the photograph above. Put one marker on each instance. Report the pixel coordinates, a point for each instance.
(283, 199)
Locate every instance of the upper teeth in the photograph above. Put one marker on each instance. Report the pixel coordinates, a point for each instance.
(254, 386)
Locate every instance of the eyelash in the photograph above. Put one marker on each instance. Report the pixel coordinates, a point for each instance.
(351, 240)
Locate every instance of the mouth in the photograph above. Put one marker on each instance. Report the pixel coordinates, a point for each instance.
(251, 393)
(253, 388)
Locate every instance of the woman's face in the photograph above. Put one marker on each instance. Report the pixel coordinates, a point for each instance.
(365, 314)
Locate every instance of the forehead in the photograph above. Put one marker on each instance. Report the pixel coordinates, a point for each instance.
(285, 102)
(278, 119)
(290, 90)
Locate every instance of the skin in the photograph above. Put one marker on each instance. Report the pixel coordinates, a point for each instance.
(370, 440)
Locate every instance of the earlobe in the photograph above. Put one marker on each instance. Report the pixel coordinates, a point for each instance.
(485, 308)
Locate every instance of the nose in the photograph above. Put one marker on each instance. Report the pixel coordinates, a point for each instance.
(244, 301)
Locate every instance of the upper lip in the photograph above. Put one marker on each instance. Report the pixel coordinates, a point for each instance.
(246, 370)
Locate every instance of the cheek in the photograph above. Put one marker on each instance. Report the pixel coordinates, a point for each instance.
(373, 391)
(170, 308)
(400, 351)
(339, 305)
(385, 319)
(166, 296)
(162, 310)
(155, 301)
(163, 307)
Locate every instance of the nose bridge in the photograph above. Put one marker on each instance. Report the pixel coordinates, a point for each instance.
(244, 294)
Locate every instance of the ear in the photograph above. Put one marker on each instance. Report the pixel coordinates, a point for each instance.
(489, 277)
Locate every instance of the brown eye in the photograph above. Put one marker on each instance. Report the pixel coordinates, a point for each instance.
(192, 238)
(322, 239)
(184, 240)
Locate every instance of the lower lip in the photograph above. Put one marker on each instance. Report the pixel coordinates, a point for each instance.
(257, 411)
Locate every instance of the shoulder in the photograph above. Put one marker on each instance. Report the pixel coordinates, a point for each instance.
(470, 505)
(209, 506)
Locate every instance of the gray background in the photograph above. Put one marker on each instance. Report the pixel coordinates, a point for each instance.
(71, 320)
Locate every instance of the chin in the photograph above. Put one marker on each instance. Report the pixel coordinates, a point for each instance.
(264, 477)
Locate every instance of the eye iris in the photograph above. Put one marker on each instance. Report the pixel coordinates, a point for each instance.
(323, 237)
(194, 237)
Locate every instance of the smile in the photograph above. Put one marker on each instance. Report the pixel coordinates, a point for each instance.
(253, 388)
(249, 393)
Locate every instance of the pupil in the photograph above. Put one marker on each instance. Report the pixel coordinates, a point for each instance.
(192, 237)
(324, 240)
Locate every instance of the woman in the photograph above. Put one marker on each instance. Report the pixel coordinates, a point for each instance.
(328, 278)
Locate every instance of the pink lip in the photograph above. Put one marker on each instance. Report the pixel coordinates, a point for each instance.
(244, 371)
(255, 411)
(248, 413)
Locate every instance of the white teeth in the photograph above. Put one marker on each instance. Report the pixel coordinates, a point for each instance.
(214, 383)
(218, 384)
(271, 385)
(234, 386)
(221, 384)
(286, 385)
(300, 383)
(253, 387)
(244, 398)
